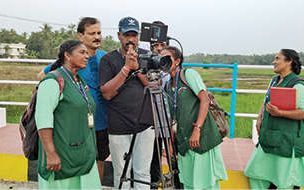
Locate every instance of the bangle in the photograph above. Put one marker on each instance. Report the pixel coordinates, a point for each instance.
(126, 68)
(124, 73)
(195, 125)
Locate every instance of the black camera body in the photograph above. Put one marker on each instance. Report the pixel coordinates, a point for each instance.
(150, 63)
(153, 61)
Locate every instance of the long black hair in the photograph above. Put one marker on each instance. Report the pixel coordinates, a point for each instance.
(293, 56)
(67, 46)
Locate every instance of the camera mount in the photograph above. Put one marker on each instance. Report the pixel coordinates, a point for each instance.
(162, 124)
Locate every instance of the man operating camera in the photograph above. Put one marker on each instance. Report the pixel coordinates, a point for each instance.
(129, 112)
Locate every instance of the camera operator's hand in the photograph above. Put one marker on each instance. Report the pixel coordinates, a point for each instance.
(131, 58)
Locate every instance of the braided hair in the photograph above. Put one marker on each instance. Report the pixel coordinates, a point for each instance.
(67, 46)
(293, 56)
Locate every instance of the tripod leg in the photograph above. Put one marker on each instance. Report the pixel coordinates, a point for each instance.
(127, 158)
(141, 159)
(156, 160)
(142, 156)
(160, 113)
(174, 164)
(164, 123)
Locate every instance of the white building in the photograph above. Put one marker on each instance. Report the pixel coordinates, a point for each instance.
(12, 50)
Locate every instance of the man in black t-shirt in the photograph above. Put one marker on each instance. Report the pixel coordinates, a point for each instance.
(129, 108)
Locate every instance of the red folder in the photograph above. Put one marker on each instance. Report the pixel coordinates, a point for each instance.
(283, 98)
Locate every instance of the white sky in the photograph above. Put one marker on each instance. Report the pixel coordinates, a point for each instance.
(202, 26)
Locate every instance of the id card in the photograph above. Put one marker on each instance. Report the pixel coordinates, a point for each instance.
(90, 120)
(174, 126)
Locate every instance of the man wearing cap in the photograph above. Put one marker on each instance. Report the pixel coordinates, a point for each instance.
(129, 108)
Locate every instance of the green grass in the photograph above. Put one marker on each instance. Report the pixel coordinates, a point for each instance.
(13, 113)
(246, 103)
(17, 71)
(17, 92)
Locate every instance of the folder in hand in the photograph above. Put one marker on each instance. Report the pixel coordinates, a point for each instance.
(283, 98)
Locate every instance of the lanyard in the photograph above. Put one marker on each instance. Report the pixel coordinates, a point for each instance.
(175, 95)
(79, 86)
(272, 83)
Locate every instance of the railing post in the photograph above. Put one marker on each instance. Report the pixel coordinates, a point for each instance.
(2, 117)
(233, 99)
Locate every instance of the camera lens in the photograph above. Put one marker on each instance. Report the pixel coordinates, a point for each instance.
(165, 63)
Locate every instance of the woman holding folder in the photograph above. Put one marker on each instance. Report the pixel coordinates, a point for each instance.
(278, 161)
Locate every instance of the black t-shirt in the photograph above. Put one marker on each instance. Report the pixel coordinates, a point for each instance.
(127, 114)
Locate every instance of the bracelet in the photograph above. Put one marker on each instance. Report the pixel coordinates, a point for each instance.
(124, 73)
(195, 125)
(126, 68)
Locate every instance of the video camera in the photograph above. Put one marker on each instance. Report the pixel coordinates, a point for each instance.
(152, 62)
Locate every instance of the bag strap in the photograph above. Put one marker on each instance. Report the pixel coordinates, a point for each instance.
(184, 80)
(183, 77)
(210, 95)
(59, 79)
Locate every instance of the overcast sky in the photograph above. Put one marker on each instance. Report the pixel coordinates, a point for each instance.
(205, 26)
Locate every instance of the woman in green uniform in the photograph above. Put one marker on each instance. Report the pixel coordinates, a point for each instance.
(278, 161)
(64, 118)
(200, 160)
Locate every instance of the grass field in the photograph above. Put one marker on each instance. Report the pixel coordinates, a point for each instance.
(246, 103)
(16, 92)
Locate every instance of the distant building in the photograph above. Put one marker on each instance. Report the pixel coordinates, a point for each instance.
(12, 50)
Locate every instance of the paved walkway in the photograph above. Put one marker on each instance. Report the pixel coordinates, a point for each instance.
(10, 140)
(18, 185)
(236, 152)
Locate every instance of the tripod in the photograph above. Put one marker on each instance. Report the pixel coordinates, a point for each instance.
(162, 128)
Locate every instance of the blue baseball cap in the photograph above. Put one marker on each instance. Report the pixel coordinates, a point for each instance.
(128, 24)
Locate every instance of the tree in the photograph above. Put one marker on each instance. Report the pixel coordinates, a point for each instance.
(11, 36)
(6, 52)
(108, 44)
(44, 44)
